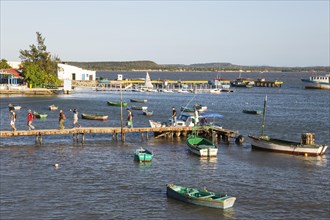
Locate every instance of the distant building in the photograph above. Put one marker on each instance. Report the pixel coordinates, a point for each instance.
(10, 77)
(74, 73)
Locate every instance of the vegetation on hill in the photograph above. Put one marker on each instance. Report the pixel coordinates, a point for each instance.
(150, 65)
(4, 64)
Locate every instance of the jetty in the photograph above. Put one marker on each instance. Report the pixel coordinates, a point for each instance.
(167, 132)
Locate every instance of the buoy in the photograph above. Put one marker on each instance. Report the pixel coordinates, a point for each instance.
(56, 165)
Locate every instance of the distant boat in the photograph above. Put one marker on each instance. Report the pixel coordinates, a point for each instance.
(253, 112)
(200, 197)
(94, 116)
(305, 147)
(215, 91)
(317, 82)
(143, 155)
(201, 146)
(124, 104)
(135, 107)
(148, 113)
(187, 109)
(139, 100)
(53, 107)
(40, 115)
(156, 124)
(14, 107)
(200, 107)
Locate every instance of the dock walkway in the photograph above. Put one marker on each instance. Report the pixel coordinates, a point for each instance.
(115, 131)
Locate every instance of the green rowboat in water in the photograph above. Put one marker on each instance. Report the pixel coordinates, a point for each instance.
(124, 104)
(39, 115)
(200, 197)
(143, 155)
(201, 146)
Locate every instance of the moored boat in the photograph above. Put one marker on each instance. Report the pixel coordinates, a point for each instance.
(94, 116)
(200, 197)
(14, 107)
(252, 112)
(187, 109)
(40, 115)
(139, 100)
(156, 124)
(124, 104)
(52, 107)
(317, 82)
(135, 107)
(201, 146)
(143, 155)
(148, 113)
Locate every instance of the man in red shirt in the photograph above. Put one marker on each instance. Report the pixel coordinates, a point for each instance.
(30, 118)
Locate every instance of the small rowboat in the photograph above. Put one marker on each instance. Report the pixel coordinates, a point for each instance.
(252, 112)
(53, 107)
(94, 117)
(40, 115)
(139, 100)
(135, 107)
(143, 155)
(14, 107)
(200, 197)
(124, 104)
(201, 146)
(148, 113)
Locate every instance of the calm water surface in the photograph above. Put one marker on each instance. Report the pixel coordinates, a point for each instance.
(100, 179)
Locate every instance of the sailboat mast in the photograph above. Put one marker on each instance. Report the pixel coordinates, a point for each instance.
(263, 117)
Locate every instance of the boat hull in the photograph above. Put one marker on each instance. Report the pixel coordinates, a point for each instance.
(310, 84)
(252, 112)
(287, 147)
(94, 117)
(124, 104)
(200, 197)
(143, 155)
(139, 100)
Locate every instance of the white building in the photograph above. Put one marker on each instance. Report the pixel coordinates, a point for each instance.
(74, 73)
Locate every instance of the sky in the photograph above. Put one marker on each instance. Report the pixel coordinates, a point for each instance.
(273, 33)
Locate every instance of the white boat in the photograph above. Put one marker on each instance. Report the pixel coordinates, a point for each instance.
(317, 82)
(289, 147)
(201, 146)
(305, 147)
(167, 90)
(52, 107)
(14, 107)
(156, 124)
(215, 91)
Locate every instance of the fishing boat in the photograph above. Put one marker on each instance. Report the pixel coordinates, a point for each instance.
(148, 113)
(143, 155)
(200, 197)
(124, 104)
(215, 91)
(200, 108)
(306, 147)
(40, 115)
(317, 82)
(139, 100)
(94, 117)
(252, 112)
(187, 109)
(201, 146)
(14, 107)
(52, 107)
(135, 107)
(156, 124)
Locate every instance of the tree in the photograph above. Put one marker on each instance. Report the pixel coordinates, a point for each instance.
(39, 67)
(4, 64)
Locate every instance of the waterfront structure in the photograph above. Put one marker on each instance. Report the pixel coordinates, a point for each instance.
(10, 77)
(74, 73)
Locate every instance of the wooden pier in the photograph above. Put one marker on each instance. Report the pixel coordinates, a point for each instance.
(219, 133)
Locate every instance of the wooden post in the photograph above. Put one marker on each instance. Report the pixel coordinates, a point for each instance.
(147, 137)
(40, 138)
(82, 138)
(37, 139)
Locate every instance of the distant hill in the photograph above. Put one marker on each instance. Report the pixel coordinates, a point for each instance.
(152, 66)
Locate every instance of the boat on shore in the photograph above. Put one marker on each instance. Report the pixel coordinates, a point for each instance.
(201, 146)
(40, 115)
(200, 197)
(306, 147)
(94, 117)
(123, 104)
(317, 82)
(139, 100)
(143, 155)
(252, 112)
(52, 107)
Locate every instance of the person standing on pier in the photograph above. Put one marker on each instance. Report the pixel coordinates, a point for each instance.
(30, 118)
(129, 118)
(173, 116)
(75, 118)
(62, 118)
(12, 120)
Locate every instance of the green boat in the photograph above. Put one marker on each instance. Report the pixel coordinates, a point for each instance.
(201, 146)
(94, 117)
(124, 104)
(143, 155)
(39, 115)
(200, 197)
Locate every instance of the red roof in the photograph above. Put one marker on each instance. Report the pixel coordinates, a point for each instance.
(13, 72)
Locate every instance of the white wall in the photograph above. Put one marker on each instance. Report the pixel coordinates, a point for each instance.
(66, 72)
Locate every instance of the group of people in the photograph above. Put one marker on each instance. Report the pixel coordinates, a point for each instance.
(31, 117)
